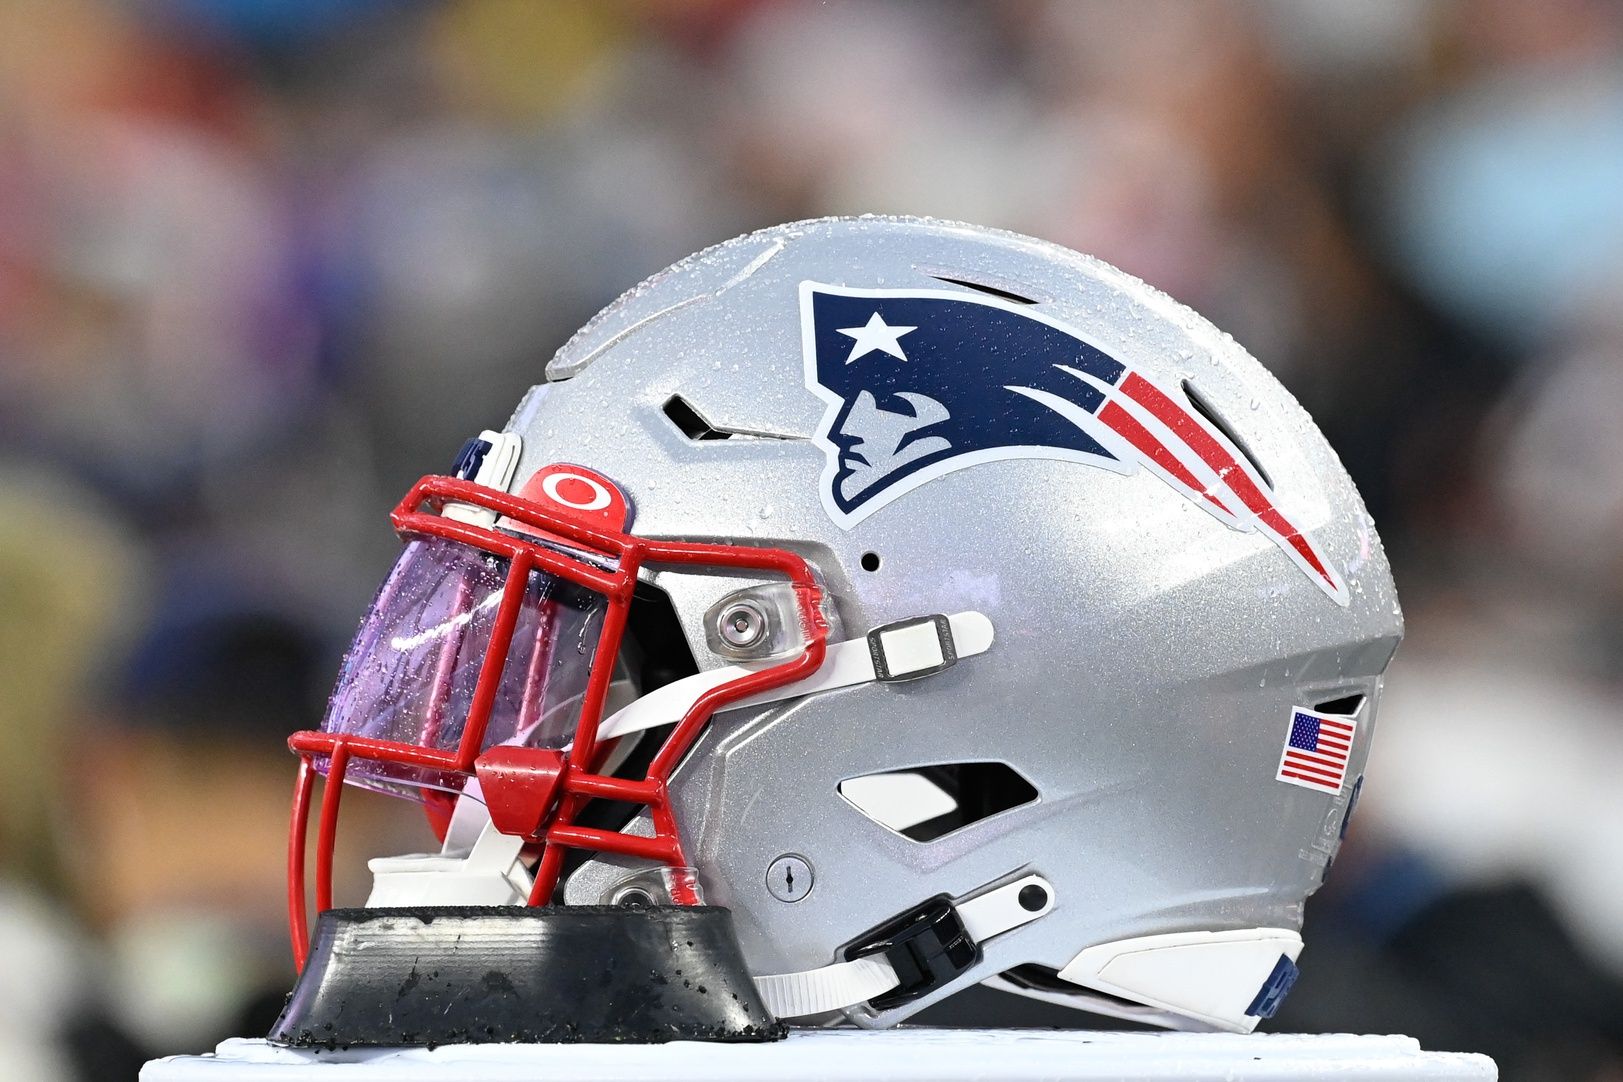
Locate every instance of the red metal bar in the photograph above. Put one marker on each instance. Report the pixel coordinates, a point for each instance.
(547, 870)
(610, 583)
(597, 686)
(327, 837)
(664, 822)
(437, 491)
(610, 841)
(365, 747)
(490, 672)
(298, 927)
(581, 784)
(637, 790)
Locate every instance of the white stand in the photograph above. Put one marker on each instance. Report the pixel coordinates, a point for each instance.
(898, 1055)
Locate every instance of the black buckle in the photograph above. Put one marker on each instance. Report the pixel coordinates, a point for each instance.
(927, 946)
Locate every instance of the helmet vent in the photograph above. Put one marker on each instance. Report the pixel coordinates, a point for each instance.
(1219, 422)
(692, 424)
(992, 291)
(924, 803)
(1347, 705)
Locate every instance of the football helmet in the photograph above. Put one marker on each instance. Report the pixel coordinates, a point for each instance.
(952, 607)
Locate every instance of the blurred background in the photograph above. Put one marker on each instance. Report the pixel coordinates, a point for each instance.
(262, 264)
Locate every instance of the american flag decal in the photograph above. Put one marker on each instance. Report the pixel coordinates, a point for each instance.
(1316, 750)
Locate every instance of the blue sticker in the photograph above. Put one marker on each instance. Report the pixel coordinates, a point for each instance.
(1274, 989)
(470, 458)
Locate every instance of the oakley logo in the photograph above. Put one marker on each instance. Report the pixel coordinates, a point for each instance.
(581, 494)
(921, 383)
(584, 494)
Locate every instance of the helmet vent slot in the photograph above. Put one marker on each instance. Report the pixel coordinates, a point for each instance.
(992, 291)
(690, 422)
(1346, 705)
(1219, 422)
(924, 803)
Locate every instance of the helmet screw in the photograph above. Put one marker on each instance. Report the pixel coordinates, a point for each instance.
(743, 625)
(789, 878)
(1032, 898)
(632, 898)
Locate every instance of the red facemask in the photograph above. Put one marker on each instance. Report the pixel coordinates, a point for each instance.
(489, 652)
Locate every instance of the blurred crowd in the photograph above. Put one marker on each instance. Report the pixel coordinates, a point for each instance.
(264, 264)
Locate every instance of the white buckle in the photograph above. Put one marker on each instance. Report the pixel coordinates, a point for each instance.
(910, 649)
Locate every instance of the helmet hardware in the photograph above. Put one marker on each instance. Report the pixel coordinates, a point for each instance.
(789, 878)
(755, 623)
(927, 946)
(743, 624)
(632, 898)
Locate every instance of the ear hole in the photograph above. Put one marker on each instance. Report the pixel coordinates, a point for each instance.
(870, 561)
(1346, 706)
(929, 802)
(1219, 422)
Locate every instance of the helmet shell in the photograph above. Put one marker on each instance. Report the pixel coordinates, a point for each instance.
(1147, 658)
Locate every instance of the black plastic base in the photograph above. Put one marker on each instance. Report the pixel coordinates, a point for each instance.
(432, 975)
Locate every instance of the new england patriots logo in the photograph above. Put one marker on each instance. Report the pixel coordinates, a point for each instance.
(921, 382)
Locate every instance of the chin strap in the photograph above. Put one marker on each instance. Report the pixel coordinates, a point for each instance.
(905, 650)
(909, 956)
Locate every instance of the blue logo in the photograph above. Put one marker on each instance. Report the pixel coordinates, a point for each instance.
(920, 383)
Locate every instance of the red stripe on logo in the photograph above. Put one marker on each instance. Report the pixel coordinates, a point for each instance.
(1214, 455)
(1142, 438)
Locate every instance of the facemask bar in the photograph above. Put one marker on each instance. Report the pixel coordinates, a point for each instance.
(571, 775)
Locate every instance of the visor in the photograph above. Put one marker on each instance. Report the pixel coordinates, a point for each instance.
(413, 669)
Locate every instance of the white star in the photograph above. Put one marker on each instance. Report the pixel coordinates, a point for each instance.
(876, 335)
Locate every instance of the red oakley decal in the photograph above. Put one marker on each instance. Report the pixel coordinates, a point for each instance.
(579, 494)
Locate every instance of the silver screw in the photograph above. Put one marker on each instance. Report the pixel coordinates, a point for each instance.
(743, 625)
(789, 878)
(632, 898)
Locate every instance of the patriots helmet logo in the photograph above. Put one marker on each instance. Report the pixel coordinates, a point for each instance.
(923, 382)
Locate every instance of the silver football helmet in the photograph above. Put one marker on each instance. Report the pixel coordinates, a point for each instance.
(952, 607)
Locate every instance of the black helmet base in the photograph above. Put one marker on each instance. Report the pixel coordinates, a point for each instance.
(432, 975)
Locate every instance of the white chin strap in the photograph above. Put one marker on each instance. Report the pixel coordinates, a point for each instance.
(845, 984)
(477, 865)
(905, 650)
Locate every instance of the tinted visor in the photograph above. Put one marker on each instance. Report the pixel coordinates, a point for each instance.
(413, 671)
